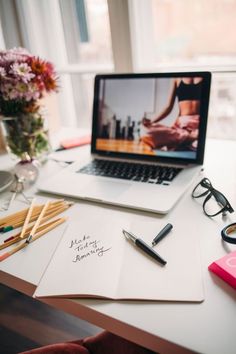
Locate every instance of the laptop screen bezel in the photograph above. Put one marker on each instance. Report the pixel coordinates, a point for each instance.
(205, 97)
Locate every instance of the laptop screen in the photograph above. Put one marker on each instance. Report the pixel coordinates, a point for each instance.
(160, 117)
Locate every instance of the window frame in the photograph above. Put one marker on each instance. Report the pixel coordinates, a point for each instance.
(131, 36)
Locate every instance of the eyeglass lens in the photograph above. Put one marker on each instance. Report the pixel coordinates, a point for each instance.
(202, 188)
(214, 203)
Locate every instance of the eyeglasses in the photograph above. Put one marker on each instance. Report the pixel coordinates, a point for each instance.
(215, 202)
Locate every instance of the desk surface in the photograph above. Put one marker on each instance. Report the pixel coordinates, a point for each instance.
(207, 327)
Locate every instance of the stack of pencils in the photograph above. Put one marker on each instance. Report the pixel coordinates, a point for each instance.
(35, 222)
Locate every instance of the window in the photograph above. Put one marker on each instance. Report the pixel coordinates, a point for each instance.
(87, 32)
(2, 42)
(75, 36)
(83, 37)
(183, 33)
(191, 35)
(88, 46)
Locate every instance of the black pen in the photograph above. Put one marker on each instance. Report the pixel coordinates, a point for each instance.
(147, 249)
(162, 234)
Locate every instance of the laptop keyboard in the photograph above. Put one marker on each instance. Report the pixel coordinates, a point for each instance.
(131, 171)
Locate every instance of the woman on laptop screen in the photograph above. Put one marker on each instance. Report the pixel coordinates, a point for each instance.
(183, 133)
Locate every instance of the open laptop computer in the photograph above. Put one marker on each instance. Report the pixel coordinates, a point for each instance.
(148, 139)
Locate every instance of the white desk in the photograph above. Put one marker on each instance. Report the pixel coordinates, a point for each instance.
(207, 327)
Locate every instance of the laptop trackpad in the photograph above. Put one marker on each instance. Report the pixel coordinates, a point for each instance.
(106, 190)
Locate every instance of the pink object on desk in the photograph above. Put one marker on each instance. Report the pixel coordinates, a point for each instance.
(71, 143)
(225, 268)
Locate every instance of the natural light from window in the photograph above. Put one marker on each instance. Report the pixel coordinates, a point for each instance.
(97, 48)
(194, 31)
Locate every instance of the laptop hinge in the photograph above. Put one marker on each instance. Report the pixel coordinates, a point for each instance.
(112, 158)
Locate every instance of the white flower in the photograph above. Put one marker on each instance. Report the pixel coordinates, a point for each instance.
(22, 70)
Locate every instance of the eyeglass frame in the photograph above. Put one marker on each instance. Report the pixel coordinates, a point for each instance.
(211, 191)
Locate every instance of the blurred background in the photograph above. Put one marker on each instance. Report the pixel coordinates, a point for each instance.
(85, 37)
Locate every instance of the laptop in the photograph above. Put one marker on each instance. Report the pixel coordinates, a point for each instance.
(148, 140)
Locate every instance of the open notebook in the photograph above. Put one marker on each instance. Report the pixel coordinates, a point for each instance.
(94, 259)
(148, 139)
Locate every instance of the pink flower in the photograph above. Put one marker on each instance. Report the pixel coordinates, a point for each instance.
(12, 55)
(24, 78)
(2, 72)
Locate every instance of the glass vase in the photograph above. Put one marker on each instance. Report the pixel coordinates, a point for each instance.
(27, 170)
(26, 137)
(26, 134)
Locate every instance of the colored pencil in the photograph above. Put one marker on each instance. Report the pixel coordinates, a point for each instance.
(19, 221)
(35, 237)
(37, 223)
(27, 219)
(21, 215)
(55, 210)
(16, 238)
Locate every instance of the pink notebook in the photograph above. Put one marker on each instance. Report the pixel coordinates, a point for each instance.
(225, 268)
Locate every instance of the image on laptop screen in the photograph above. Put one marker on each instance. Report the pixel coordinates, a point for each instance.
(151, 116)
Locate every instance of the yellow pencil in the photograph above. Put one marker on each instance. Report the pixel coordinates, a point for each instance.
(49, 213)
(16, 238)
(56, 211)
(21, 215)
(27, 219)
(35, 237)
(19, 220)
(38, 221)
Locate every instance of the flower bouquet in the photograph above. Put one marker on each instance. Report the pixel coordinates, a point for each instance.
(24, 80)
